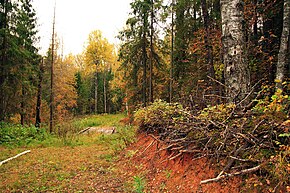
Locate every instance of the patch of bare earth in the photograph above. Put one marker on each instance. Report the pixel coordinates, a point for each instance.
(181, 174)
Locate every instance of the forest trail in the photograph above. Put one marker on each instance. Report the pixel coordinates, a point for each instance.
(62, 169)
(95, 168)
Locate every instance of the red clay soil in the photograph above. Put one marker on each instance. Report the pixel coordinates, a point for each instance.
(145, 158)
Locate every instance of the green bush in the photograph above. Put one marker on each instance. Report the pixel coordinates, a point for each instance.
(161, 113)
(139, 184)
(217, 113)
(18, 135)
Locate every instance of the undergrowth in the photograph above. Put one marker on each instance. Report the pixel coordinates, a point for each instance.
(12, 135)
(65, 133)
(139, 184)
(242, 138)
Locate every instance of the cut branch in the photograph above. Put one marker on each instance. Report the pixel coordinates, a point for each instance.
(246, 171)
(18, 155)
(153, 141)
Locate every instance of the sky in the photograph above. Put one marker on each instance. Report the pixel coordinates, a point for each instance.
(75, 19)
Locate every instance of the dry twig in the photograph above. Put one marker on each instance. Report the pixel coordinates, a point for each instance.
(246, 171)
(18, 155)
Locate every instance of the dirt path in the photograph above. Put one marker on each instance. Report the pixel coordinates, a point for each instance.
(62, 169)
(94, 168)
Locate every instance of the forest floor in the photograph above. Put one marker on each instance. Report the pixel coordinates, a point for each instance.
(97, 167)
(93, 168)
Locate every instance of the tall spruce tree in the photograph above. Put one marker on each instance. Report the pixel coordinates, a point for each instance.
(19, 58)
(138, 53)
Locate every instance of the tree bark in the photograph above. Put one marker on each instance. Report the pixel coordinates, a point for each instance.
(144, 61)
(4, 26)
(282, 56)
(207, 40)
(52, 77)
(105, 91)
(96, 92)
(236, 73)
(39, 94)
(171, 53)
(22, 106)
(151, 53)
(255, 26)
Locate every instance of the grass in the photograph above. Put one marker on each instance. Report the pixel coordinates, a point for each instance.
(12, 136)
(139, 184)
(84, 163)
(65, 134)
(97, 121)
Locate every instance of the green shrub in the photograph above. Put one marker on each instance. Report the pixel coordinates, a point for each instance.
(161, 113)
(18, 135)
(139, 184)
(217, 113)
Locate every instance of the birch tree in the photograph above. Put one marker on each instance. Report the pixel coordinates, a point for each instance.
(236, 70)
(282, 56)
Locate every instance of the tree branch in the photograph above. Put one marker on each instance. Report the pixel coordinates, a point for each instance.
(18, 155)
(246, 171)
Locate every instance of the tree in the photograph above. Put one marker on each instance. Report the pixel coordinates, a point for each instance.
(29, 59)
(99, 56)
(5, 23)
(207, 41)
(171, 54)
(65, 93)
(236, 70)
(39, 95)
(282, 56)
(19, 58)
(138, 52)
(151, 52)
(51, 104)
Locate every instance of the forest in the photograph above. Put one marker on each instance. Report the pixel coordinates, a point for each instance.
(207, 78)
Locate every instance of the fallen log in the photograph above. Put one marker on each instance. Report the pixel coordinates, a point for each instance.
(84, 130)
(246, 171)
(18, 155)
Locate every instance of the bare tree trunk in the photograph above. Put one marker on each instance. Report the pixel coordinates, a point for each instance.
(105, 91)
(22, 106)
(96, 92)
(144, 61)
(236, 73)
(171, 53)
(207, 40)
(282, 56)
(255, 30)
(4, 26)
(151, 54)
(52, 76)
(39, 93)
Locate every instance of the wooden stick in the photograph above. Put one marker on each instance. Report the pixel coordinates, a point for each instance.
(176, 156)
(84, 130)
(155, 137)
(18, 155)
(153, 141)
(239, 159)
(246, 171)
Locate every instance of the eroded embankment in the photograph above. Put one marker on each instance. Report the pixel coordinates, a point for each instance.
(146, 159)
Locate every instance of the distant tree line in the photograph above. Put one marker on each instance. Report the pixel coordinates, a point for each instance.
(82, 84)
